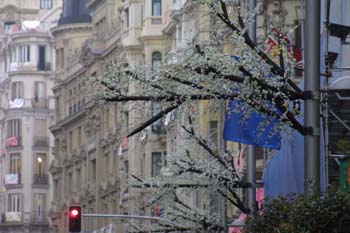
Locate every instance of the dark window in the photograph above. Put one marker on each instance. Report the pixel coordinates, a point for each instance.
(126, 17)
(156, 7)
(156, 163)
(41, 63)
(156, 60)
(126, 170)
(10, 27)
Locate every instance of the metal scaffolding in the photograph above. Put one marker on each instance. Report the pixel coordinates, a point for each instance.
(335, 102)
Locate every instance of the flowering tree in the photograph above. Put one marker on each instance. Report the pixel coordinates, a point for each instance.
(205, 72)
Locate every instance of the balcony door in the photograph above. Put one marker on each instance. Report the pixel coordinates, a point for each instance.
(41, 64)
(39, 214)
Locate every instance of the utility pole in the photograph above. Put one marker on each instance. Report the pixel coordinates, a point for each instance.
(251, 165)
(312, 106)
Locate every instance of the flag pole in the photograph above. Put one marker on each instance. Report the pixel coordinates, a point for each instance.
(251, 165)
(312, 106)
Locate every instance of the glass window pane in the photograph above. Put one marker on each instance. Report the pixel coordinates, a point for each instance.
(156, 7)
(156, 163)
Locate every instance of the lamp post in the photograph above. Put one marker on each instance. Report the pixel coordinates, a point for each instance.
(251, 165)
(312, 106)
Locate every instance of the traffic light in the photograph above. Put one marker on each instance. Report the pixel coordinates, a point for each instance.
(74, 216)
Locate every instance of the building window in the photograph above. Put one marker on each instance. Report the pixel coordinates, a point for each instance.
(10, 27)
(156, 7)
(93, 171)
(156, 163)
(78, 179)
(39, 200)
(15, 163)
(17, 90)
(42, 61)
(106, 165)
(79, 136)
(15, 202)
(86, 172)
(107, 119)
(126, 171)
(14, 128)
(68, 183)
(45, 4)
(60, 58)
(24, 55)
(213, 133)
(39, 91)
(143, 161)
(70, 144)
(56, 191)
(157, 127)
(127, 20)
(40, 168)
(156, 60)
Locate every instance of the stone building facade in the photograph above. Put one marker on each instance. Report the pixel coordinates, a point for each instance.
(93, 158)
(27, 61)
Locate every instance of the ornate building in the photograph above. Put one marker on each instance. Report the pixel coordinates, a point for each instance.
(26, 111)
(92, 156)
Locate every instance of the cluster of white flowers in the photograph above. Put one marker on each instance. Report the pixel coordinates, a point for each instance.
(203, 72)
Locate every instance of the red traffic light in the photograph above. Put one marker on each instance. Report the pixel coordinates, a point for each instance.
(74, 215)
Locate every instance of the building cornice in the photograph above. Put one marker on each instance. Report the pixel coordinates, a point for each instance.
(71, 27)
(26, 34)
(29, 112)
(68, 120)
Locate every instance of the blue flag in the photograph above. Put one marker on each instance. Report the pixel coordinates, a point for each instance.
(245, 125)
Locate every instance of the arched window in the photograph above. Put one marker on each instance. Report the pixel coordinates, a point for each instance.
(156, 7)
(156, 59)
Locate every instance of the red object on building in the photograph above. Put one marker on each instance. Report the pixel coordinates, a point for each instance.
(125, 143)
(12, 141)
(260, 198)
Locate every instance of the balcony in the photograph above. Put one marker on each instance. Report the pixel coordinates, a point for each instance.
(42, 102)
(34, 217)
(39, 217)
(29, 66)
(40, 141)
(41, 179)
(23, 66)
(153, 26)
(156, 20)
(43, 66)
